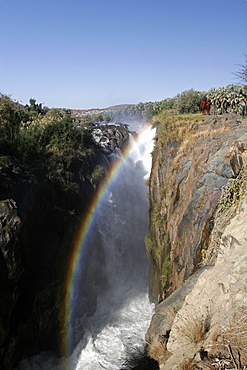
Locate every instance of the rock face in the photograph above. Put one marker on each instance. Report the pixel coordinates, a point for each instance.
(111, 137)
(185, 187)
(10, 265)
(212, 318)
(9, 227)
(39, 219)
(203, 320)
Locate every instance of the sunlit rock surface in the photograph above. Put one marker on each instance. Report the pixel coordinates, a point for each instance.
(185, 186)
(204, 314)
(213, 316)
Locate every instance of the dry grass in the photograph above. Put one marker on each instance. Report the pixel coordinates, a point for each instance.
(192, 325)
(174, 127)
(229, 350)
(188, 364)
(209, 134)
(159, 352)
(184, 130)
(235, 337)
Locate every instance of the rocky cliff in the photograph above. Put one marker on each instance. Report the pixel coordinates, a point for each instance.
(40, 212)
(196, 244)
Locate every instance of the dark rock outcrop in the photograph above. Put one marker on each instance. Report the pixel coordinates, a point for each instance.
(9, 228)
(10, 269)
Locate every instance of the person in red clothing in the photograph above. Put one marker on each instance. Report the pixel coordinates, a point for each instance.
(204, 105)
(208, 105)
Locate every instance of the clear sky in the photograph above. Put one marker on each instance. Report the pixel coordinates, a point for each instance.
(98, 53)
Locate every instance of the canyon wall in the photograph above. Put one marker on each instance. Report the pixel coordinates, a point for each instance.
(197, 244)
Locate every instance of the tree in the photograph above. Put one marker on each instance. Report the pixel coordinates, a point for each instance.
(188, 101)
(241, 74)
(232, 98)
(10, 121)
(33, 109)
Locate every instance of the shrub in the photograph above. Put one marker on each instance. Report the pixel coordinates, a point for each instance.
(232, 98)
(166, 270)
(10, 121)
(151, 246)
(97, 173)
(188, 101)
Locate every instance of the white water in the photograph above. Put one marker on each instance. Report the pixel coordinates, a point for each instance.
(119, 338)
(123, 313)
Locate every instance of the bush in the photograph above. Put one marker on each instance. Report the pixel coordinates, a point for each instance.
(10, 121)
(61, 134)
(188, 101)
(43, 135)
(232, 98)
(97, 174)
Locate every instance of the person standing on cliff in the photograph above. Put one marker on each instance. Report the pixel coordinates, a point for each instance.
(208, 105)
(204, 105)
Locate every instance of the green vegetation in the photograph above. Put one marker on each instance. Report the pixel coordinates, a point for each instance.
(33, 109)
(234, 191)
(232, 194)
(28, 137)
(156, 215)
(187, 102)
(160, 256)
(44, 139)
(166, 270)
(232, 98)
(10, 122)
(150, 245)
(97, 173)
(154, 253)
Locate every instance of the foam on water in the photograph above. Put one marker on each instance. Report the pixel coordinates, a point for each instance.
(126, 332)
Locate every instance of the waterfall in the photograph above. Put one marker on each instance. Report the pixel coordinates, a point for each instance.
(123, 311)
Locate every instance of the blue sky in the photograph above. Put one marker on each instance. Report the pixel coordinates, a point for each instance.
(98, 53)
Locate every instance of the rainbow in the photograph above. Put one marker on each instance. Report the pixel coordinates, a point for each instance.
(79, 249)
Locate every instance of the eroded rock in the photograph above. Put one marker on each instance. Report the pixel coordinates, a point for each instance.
(9, 228)
(203, 321)
(186, 184)
(214, 312)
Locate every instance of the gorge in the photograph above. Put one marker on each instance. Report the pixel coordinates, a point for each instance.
(111, 274)
(195, 243)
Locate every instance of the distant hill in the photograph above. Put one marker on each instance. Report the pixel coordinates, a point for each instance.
(76, 113)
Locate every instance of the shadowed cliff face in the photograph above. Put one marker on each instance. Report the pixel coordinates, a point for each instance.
(185, 186)
(39, 218)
